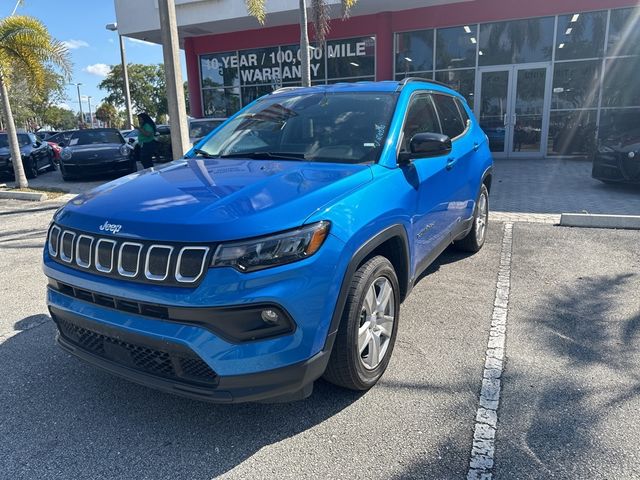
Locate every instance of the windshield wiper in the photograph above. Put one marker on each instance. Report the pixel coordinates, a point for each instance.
(203, 153)
(266, 155)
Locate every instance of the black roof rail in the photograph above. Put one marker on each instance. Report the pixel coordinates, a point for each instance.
(406, 80)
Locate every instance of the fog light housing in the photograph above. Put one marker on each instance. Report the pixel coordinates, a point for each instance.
(270, 316)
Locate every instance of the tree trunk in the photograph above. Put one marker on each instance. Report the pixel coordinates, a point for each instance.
(14, 146)
(305, 64)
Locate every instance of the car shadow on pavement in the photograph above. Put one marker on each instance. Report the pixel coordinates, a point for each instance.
(62, 418)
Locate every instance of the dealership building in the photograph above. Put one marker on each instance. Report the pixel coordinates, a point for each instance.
(544, 77)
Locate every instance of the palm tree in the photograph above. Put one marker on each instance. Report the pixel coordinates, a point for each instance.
(320, 14)
(26, 50)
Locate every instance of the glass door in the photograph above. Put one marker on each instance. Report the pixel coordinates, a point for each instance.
(494, 107)
(511, 108)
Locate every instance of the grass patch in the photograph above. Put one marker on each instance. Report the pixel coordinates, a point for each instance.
(51, 192)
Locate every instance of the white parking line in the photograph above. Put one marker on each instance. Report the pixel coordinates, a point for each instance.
(483, 449)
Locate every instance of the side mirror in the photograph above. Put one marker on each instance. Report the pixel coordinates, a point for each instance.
(131, 140)
(61, 144)
(424, 145)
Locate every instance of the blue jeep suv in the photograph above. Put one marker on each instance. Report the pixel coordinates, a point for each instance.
(279, 249)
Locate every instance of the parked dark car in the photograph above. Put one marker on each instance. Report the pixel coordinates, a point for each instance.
(37, 155)
(199, 127)
(617, 158)
(97, 151)
(45, 134)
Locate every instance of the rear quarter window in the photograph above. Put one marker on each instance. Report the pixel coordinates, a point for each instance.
(450, 119)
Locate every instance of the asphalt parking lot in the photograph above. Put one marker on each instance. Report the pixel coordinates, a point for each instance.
(567, 409)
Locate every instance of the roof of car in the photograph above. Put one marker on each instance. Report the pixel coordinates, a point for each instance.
(383, 86)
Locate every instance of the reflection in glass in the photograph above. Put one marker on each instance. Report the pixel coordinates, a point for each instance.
(576, 84)
(619, 126)
(516, 41)
(427, 75)
(220, 69)
(462, 81)
(621, 86)
(580, 35)
(220, 102)
(624, 32)
(456, 47)
(352, 57)
(529, 105)
(414, 52)
(571, 133)
(249, 94)
(493, 108)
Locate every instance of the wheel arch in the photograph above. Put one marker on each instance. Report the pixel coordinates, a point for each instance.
(392, 243)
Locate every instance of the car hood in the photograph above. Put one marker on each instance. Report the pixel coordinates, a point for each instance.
(213, 200)
(6, 152)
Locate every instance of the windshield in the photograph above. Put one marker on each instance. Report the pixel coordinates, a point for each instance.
(23, 139)
(93, 137)
(321, 127)
(200, 129)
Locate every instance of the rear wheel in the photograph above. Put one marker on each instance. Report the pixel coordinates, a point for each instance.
(368, 327)
(474, 240)
(30, 169)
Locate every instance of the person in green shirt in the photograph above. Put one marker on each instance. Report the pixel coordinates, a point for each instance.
(146, 139)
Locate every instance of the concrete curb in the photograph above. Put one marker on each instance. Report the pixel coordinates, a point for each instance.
(31, 196)
(587, 220)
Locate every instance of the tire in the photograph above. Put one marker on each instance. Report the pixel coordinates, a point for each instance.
(474, 240)
(52, 164)
(350, 365)
(30, 169)
(64, 174)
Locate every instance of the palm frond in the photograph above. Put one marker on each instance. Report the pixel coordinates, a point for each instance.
(27, 46)
(347, 5)
(257, 9)
(320, 16)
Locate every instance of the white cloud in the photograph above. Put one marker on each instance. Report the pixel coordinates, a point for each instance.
(73, 44)
(99, 69)
(142, 42)
(64, 105)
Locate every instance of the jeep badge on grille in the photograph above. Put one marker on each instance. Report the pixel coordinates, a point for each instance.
(110, 227)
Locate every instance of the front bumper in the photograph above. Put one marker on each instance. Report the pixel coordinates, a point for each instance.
(83, 169)
(616, 167)
(245, 371)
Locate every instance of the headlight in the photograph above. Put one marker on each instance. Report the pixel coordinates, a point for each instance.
(124, 151)
(66, 154)
(265, 252)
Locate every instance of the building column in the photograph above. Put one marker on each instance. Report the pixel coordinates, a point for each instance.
(193, 78)
(384, 47)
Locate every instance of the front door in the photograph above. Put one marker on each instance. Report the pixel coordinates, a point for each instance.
(511, 108)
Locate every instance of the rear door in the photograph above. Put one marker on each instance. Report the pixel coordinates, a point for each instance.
(456, 124)
(429, 177)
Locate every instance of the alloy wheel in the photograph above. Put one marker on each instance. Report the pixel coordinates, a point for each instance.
(481, 217)
(376, 322)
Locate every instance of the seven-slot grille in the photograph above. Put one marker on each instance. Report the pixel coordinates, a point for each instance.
(140, 261)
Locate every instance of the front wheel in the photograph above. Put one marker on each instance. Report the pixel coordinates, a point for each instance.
(52, 164)
(368, 327)
(474, 240)
(30, 169)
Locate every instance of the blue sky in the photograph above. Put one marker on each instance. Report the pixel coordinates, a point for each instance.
(81, 23)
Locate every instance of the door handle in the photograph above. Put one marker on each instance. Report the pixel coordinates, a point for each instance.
(451, 162)
(476, 146)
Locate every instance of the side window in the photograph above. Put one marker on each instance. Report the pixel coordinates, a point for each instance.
(465, 116)
(421, 118)
(452, 124)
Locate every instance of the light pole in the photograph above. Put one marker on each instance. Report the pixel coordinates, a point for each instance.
(125, 75)
(90, 114)
(79, 101)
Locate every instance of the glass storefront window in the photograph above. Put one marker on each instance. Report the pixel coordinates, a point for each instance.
(517, 41)
(260, 66)
(220, 69)
(427, 75)
(580, 35)
(619, 126)
(621, 85)
(576, 84)
(572, 133)
(462, 81)
(414, 52)
(456, 47)
(220, 102)
(624, 32)
(352, 57)
(289, 57)
(249, 94)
